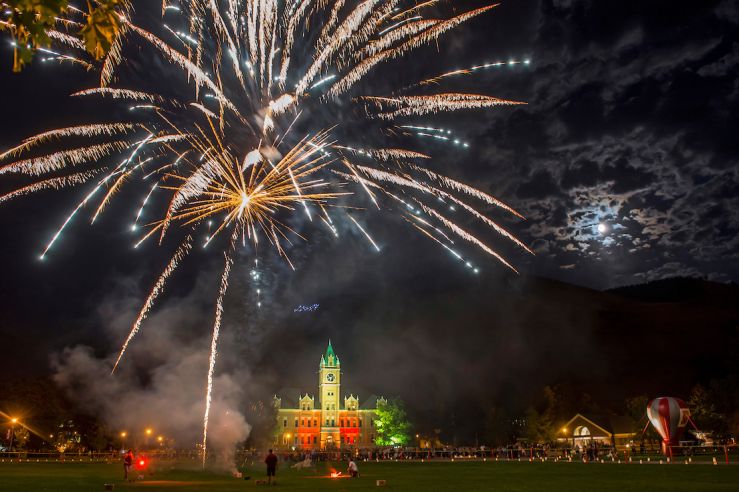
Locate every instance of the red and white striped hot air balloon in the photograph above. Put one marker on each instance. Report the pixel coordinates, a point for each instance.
(669, 416)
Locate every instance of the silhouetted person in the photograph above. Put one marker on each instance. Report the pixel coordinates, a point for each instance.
(271, 462)
(127, 464)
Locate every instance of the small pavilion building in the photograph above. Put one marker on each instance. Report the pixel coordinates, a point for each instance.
(607, 430)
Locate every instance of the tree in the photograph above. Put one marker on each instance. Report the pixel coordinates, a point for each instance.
(704, 414)
(391, 425)
(636, 408)
(264, 426)
(20, 439)
(498, 426)
(734, 425)
(540, 425)
(31, 21)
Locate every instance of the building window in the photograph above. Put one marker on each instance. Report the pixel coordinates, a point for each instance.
(342, 422)
(302, 422)
(314, 439)
(296, 422)
(315, 423)
(284, 423)
(333, 423)
(308, 422)
(327, 422)
(360, 422)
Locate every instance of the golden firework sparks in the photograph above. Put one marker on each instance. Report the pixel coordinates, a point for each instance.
(245, 137)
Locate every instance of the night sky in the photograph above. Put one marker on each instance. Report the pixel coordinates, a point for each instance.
(631, 122)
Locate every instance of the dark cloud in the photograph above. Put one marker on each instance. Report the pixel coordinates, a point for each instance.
(630, 122)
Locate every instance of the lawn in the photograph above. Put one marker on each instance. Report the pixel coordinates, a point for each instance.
(406, 476)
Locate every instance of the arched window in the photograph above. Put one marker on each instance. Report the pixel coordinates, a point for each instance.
(582, 431)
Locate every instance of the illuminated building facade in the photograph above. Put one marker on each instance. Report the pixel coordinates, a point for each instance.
(332, 422)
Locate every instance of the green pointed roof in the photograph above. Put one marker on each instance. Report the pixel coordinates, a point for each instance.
(330, 355)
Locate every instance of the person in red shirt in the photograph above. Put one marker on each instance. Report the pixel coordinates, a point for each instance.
(271, 462)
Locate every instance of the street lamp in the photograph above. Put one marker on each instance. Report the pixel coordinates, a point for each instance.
(564, 433)
(123, 439)
(13, 421)
(148, 434)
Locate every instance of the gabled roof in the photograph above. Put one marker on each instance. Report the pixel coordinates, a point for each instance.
(289, 397)
(606, 424)
(370, 403)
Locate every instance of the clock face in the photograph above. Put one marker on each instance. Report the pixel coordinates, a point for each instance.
(330, 377)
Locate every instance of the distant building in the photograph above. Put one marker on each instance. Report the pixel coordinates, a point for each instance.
(612, 430)
(329, 423)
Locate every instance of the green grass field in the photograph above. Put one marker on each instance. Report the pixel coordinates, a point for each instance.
(405, 476)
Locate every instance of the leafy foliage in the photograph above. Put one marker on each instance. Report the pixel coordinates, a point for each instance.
(704, 413)
(498, 426)
(392, 426)
(636, 408)
(102, 28)
(540, 425)
(21, 438)
(29, 23)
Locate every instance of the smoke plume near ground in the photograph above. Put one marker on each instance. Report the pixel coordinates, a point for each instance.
(161, 382)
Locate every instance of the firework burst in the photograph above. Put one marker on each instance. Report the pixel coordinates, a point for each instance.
(263, 120)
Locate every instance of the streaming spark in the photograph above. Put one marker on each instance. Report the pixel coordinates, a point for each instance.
(214, 343)
(181, 252)
(257, 127)
(369, 238)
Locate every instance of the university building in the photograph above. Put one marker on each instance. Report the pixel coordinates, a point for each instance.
(332, 422)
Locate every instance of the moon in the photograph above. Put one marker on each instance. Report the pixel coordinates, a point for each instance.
(602, 228)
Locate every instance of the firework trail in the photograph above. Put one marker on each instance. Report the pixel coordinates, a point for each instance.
(181, 252)
(268, 119)
(214, 345)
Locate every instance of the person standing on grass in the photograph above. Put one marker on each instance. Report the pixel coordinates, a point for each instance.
(271, 462)
(353, 469)
(127, 464)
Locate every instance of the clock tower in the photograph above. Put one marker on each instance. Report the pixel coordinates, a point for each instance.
(329, 382)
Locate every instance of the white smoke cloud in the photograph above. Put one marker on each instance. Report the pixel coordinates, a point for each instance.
(161, 381)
